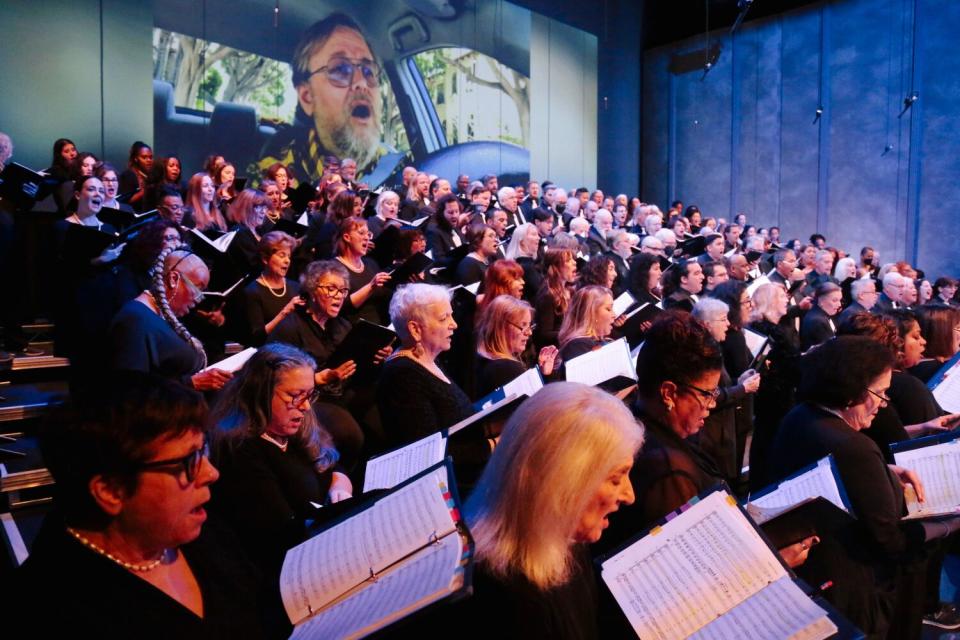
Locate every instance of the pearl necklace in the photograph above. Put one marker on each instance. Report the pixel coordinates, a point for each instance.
(166, 556)
(264, 282)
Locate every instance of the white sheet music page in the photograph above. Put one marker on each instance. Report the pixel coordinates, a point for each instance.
(609, 361)
(320, 570)
(689, 571)
(427, 576)
(947, 393)
(754, 341)
(526, 384)
(782, 610)
(235, 362)
(939, 469)
(392, 468)
(818, 482)
(622, 303)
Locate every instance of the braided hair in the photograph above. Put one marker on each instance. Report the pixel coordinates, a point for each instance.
(158, 289)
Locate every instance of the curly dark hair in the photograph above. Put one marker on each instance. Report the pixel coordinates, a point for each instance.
(640, 266)
(905, 319)
(677, 349)
(595, 271)
(836, 374)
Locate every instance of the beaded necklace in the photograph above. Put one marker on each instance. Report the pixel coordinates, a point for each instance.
(283, 291)
(167, 556)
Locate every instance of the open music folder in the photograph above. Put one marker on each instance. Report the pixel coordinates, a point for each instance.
(810, 502)
(393, 467)
(403, 552)
(707, 572)
(611, 366)
(526, 384)
(936, 459)
(945, 385)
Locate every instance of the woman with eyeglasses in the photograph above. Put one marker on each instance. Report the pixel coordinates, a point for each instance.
(843, 385)
(108, 176)
(318, 328)
(147, 335)
(129, 551)
(369, 296)
(246, 214)
(276, 457)
(679, 369)
(503, 330)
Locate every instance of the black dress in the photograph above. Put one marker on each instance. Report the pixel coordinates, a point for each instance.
(471, 270)
(494, 373)
(880, 549)
(140, 340)
(66, 590)
(375, 308)
(532, 277)
(258, 305)
(547, 319)
(265, 494)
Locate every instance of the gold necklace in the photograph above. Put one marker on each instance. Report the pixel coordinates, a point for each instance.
(166, 556)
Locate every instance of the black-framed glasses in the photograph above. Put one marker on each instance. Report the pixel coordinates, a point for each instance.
(339, 72)
(882, 397)
(331, 291)
(189, 464)
(710, 396)
(295, 402)
(529, 329)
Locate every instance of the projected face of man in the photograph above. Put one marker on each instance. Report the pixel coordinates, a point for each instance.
(347, 119)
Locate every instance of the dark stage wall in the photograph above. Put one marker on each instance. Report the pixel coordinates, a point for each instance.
(744, 137)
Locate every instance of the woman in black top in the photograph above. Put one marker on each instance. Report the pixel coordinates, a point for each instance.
(368, 297)
(645, 272)
(524, 248)
(272, 297)
(503, 329)
(588, 322)
(147, 335)
(129, 551)
(779, 378)
(134, 179)
(482, 241)
(843, 384)
(533, 574)
(247, 212)
(415, 396)
(940, 327)
(560, 268)
(275, 457)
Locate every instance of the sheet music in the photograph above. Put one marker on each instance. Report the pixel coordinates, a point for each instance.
(390, 469)
(819, 481)
(939, 469)
(947, 392)
(609, 361)
(420, 221)
(687, 572)
(782, 610)
(235, 362)
(303, 219)
(473, 288)
(754, 341)
(487, 410)
(639, 309)
(331, 563)
(526, 384)
(429, 575)
(221, 243)
(622, 303)
(756, 284)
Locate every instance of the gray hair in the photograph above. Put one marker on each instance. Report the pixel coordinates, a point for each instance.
(316, 271)
(858, 286)
(410, 303)
(506, 192)
(667, 237)
(383, 197)
(709, 308)
(614, 236)
(513, 249)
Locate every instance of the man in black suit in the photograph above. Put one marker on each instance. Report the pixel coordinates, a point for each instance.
(864, 294)
(619, 242)
(687, 278)
(892, 296)
(532, 200)
(713, 249)
(822, 268)
(507, 196)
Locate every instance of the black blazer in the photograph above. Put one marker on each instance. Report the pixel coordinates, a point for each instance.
(853, 309)
(440, 242)
(816, 328)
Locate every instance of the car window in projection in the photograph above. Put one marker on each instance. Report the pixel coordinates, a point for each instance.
(480, 91)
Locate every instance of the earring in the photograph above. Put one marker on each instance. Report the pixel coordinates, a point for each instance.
(417, 350)
(670, 407)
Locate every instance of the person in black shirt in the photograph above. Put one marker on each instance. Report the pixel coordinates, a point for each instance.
(134, 179)
(482, 241)
(129, 551)
(587, 323)
(369, 296)
(270, 298)
(503, 330)
(819, 324)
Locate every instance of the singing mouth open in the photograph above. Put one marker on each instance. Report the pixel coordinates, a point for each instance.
(361, 110)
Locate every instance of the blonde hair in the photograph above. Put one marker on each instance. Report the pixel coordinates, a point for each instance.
(492, 326)
(581, 318)
(764, 301)
(568, 437)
